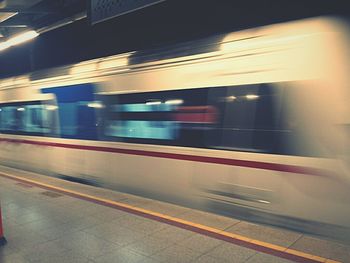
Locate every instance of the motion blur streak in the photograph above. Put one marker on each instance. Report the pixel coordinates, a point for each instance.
(237, 124)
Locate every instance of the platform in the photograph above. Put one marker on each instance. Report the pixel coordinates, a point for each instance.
(52, 220)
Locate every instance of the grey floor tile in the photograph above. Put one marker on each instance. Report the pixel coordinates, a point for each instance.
(6, 250)
(123, 236)
(66, 257)
(164, 208)
(209, 259)
(86, 244)
(148, 260)
(122, 255)
(109, 215)
(38, 225)
(148, 246)
(208, 219)
(28, 217)
(100, 230)
(148, 227)
(58, 231)
(62, 200)
(42, 251)
(84, 209)
(200, 243)
(24, 241)
(176, 254)
(92, 209)
(13, 210)
(86, 222)
(173, 234)
(19, 230)
(272, 235)
(118, 235)
(265, 258)
(323, 248)
(136, 201)
(231, 253)
(128, 220)
(13, 258)
(107, 194)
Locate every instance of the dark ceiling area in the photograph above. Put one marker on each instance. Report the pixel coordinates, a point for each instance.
(19, 15)
(168, 22)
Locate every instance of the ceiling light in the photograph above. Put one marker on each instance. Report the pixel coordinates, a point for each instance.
(19, 39)
(4, 45)
(6, 15)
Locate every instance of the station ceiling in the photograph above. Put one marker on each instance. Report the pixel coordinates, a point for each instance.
(21, 15)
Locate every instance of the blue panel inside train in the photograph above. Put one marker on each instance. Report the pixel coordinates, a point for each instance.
(77, 120)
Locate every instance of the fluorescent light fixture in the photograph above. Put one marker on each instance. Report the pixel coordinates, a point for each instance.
(4, 45)
(6, 15)
(95, 104)
(174, 102)
(156, 102)
(19, 39)
(251, 96)
(20, 109)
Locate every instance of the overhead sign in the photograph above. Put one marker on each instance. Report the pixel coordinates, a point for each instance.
(101, 10)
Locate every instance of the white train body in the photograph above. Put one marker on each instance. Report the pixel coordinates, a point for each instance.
(257, 120)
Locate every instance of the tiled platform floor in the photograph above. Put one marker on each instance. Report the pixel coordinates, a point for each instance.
(43, 226)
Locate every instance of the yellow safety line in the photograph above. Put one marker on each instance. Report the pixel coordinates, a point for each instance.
(174, 219)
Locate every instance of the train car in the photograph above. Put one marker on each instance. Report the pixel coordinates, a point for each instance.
(250, 123)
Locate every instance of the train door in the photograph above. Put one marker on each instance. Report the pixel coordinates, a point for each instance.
(37, 118)
(246, 133)
(77, 123)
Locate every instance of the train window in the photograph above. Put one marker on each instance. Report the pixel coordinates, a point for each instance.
(68, 119)
(8, 118)
(77, 110)
(237, 118)
(29, 118)
(141, 120)
(77, 119)
(169, 117)
(249, 120)
(233, 118)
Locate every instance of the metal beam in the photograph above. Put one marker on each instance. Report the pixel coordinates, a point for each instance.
(63, 22)
(36, 10)
(17, 21)
(16, 26)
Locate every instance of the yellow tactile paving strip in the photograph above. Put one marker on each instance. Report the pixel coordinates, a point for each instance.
(279, 251)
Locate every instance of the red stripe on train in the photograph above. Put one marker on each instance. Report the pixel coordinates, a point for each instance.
(185, 157)
(196, 114)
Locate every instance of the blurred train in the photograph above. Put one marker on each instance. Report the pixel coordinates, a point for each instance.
(255, 121)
